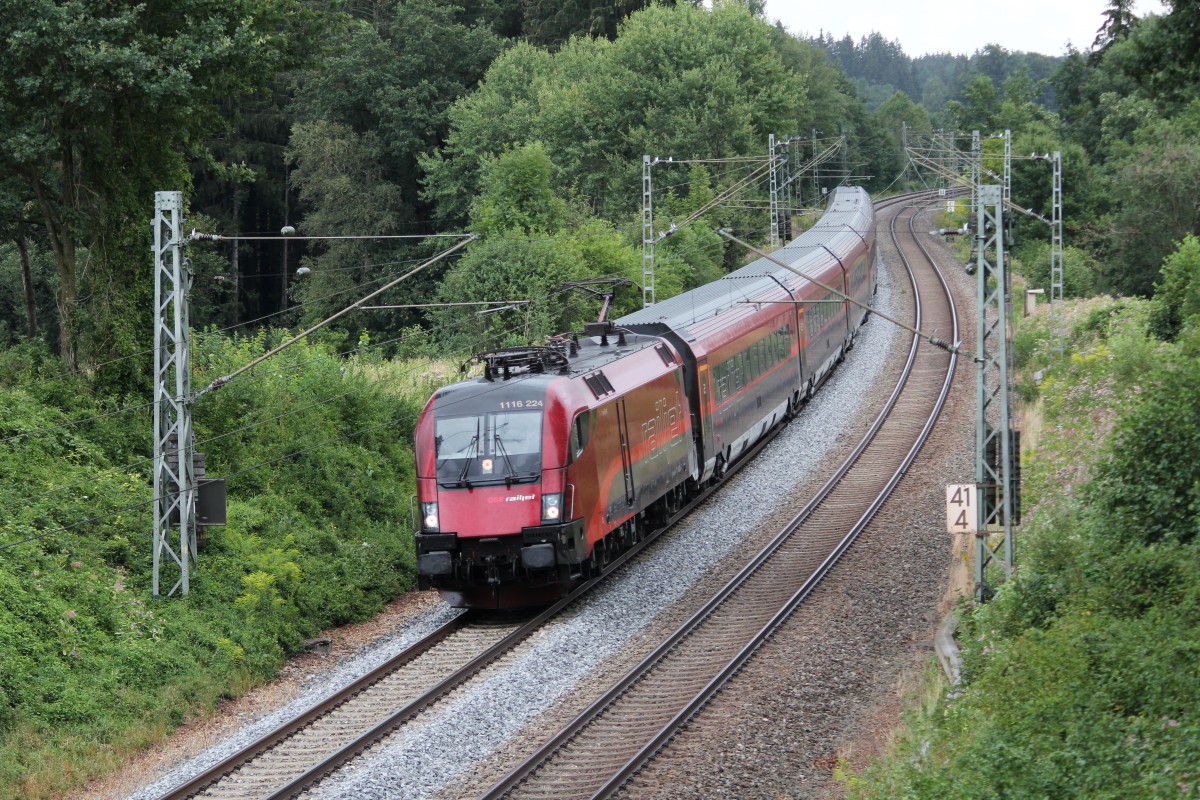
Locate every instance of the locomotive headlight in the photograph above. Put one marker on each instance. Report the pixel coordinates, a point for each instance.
(429, 517)
(551, 508)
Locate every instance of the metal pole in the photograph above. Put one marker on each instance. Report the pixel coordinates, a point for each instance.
(789, 196)
(774, 191)
(842, 143)
(174, 480)
(799, 202)
(816, 173)
(1057, 323)
(995, 487)
(945, 142)
(1007, 168)
(976, 171)
(647, 234)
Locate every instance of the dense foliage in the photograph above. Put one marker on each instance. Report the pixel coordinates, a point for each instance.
(880, 67)
(99, 102)
(318, 535)
(682, 82)
(1081, 678)
(383, 118)
(387, 127)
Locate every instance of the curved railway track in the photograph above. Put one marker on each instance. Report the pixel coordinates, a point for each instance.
(610, 741)
(300, 753)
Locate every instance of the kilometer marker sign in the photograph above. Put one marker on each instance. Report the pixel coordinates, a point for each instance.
(960, 508)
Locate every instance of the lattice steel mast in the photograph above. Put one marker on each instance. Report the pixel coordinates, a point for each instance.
(976, 171)
(774, 191)
(994, 445)
(647, 234)
(1057, 322)
(174, 479)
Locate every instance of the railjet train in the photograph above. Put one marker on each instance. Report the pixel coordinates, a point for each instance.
(559, 457)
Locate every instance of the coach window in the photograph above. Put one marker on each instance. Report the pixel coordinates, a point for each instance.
(721, 381)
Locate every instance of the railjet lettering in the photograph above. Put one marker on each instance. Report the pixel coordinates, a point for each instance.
(663, 427)
(516, 498)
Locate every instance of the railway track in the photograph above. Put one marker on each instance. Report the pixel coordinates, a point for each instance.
(620, 732)
(300, 753)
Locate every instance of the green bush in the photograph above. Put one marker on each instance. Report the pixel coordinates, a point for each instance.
(1082, 677)
(1025, 340)
(1176, 302)
(317, 449)
(1079, 270)
(1149, 486)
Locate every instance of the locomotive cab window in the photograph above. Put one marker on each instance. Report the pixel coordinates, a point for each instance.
(488, 448)
(581, 432)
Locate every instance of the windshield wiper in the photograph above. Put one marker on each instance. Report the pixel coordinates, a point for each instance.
(472, 450)
(509, 471)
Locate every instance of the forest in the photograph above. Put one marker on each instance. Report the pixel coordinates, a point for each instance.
(523, 122)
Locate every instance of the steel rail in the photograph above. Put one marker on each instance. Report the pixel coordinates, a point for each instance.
(286, 730)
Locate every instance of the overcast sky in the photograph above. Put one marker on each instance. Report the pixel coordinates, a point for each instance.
(937, 26)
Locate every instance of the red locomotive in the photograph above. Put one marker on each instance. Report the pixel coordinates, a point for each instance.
(558, 458)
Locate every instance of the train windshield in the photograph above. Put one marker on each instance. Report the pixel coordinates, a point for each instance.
(487, 449)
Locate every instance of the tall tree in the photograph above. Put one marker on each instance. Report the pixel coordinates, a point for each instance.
(551, 23)
(981, 102)
(993, 61)
(533, 244)
(677, 81)
(1168, 54)
(16, 227)
(241, 183)
(897, 112)
(99, 102)
(1119, 20)
(1157, 183)
(362, 119)
(827, 93)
